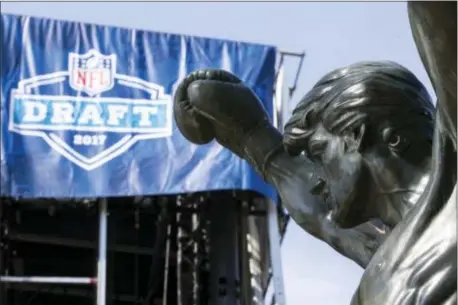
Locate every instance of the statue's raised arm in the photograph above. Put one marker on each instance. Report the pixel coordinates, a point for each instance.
(434, 28)
(360, 153)
(354, 166)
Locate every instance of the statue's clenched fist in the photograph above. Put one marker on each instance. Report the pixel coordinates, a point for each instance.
(215, 104)
(191, 120)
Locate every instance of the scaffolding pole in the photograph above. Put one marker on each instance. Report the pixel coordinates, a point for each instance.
(102, 257)
(275, 254)
(2, 254)
(244, 255)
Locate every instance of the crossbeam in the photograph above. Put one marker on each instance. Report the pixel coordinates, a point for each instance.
(49, 280)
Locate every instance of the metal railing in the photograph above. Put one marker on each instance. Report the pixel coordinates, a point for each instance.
(99, 280)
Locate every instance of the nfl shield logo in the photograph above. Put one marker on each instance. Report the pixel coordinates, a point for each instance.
(92, 72)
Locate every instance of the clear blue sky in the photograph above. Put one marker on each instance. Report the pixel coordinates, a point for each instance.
(332, 34)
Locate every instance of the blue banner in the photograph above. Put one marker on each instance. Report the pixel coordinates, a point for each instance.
(86, 111)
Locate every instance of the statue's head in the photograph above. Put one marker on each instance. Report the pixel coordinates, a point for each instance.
(369, 127)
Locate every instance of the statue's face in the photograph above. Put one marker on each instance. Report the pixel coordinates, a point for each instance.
(363, 181)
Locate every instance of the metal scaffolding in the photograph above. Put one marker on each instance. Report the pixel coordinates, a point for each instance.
(211, 256)
(99, 280)
(192, 249)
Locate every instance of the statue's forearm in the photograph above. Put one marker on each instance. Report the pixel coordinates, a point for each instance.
(293, 179)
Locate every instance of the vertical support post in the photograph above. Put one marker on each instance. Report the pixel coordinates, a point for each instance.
(255, 259)
(244, 255)
(224, 249)
(275, 253)
(196, 252)
(279, 106)
(166, 266)
(179, 254)
(2, 258)
(102, 256)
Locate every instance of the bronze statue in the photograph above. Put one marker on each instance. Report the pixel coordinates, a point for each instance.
(353, 167)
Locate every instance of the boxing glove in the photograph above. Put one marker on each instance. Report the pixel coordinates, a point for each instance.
(215, 104)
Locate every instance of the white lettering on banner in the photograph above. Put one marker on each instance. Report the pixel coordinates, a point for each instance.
(62, 113)
(90, 114)
(89, 140)
(145, 114)
(116, 114)
(109, 123)
(34, 112)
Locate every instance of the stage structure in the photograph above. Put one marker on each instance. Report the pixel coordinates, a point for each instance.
(102, 199)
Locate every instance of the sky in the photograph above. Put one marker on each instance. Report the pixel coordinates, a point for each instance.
(332, 35)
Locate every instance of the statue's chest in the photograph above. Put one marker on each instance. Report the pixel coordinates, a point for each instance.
(375, 287)
(414, 268)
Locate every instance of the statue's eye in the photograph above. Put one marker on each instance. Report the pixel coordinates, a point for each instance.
(316, 149)
(393, 139)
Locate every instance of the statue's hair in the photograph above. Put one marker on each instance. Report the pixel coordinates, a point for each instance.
(366, 93)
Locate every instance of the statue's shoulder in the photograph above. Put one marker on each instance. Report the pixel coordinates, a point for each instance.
(413, 268)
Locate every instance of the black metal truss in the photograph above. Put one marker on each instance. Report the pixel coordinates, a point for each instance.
(192, 222)
(193, 234)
